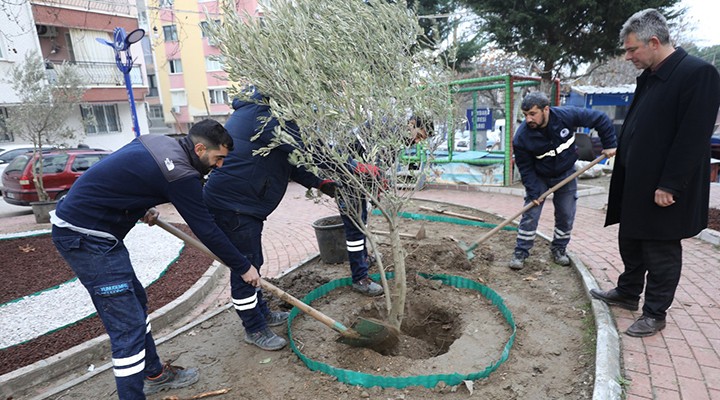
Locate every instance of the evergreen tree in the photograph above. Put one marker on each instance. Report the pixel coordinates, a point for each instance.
(557, 34)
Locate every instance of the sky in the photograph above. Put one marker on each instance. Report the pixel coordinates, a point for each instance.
(704, 14)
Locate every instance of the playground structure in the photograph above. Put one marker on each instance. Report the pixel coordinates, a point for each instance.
(478, 166)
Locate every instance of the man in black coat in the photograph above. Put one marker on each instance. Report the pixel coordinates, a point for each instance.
(660, 188)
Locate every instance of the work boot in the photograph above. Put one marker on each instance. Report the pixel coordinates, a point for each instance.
(265, 339)
(276, 318)
(171, 377)
(518, 261)
(645, 326)
(367, 287)
(613, 298)
(559, 257)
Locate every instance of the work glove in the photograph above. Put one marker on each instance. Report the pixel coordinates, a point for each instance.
(373, 173)
(328, 187)
(367, 169)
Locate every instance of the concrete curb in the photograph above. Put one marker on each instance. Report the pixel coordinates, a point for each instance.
(607, 345)
(75, 360)
(709, 235)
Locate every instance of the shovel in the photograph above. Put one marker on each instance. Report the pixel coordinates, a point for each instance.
(365, 332)
(469, 248)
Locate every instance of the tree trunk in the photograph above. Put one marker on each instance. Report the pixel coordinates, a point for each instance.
(38, 179)
(397, 312)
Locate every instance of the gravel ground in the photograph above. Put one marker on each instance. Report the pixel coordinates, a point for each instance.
(151, 250)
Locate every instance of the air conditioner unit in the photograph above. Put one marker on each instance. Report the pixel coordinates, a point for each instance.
(175, 109)
(46, 31)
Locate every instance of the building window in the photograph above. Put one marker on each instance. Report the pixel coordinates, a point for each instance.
(178, 98)
(205, 27)
(213, 63)
(205, 30)
(170, 33)
(156, 112)
(100, 119)
(175, 66)
(152, 82)
(166, 3)
(218, 96)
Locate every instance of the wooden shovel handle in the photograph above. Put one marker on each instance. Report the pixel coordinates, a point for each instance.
(454, 214)
(331, 323)
(532, 204)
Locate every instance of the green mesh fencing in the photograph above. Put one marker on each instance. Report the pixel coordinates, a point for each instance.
(429, 381)
(456, 221)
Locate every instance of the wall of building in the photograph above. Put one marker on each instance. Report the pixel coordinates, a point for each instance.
(17, 38)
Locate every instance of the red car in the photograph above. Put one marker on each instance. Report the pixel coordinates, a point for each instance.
(61, 168)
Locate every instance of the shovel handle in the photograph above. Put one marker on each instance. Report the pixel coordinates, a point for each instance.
(285, 296)
(540, 199)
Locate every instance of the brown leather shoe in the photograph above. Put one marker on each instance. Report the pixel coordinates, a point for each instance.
(645, 326)
(613, 298)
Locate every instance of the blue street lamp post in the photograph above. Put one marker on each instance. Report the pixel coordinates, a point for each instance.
(123, 59)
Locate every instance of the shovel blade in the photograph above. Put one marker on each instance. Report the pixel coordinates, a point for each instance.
(468, 250)
(371, 333)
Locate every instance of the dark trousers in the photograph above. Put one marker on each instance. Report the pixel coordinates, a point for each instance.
(661, 260)
(245, 232)
(103, 267)
(354, 237)
(565, 202)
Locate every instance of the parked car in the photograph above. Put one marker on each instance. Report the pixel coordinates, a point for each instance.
(8, 151)
(61, 168)
(461, 142)
(715, 145)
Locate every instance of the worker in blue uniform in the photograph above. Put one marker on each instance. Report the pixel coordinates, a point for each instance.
(104, 204)
(244, 193)
(545, 154)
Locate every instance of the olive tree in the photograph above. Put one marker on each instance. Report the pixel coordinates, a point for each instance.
(349, 73)
(41, 116)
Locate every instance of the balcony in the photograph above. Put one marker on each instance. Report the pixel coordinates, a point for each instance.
(98, 73)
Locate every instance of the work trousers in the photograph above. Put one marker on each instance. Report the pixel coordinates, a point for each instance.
(103, 267)
(565, 202)
(661, 260)
(354, 237)
(245, 232)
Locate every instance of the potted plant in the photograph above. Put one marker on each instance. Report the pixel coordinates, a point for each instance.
(46, 97)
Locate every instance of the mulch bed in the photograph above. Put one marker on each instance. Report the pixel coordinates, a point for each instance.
(31, 264)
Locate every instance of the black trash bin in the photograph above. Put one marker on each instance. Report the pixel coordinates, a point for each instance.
(331, 239)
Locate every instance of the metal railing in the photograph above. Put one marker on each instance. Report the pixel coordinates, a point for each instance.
(95, 73)
(110, 6)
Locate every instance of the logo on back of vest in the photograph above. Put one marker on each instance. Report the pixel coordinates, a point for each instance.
(564, 132)
(169, 164)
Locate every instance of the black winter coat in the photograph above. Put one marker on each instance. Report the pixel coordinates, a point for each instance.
(251, 184)
(670, 122)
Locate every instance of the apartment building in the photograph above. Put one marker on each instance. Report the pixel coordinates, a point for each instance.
(190, 78)
(66, 31)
